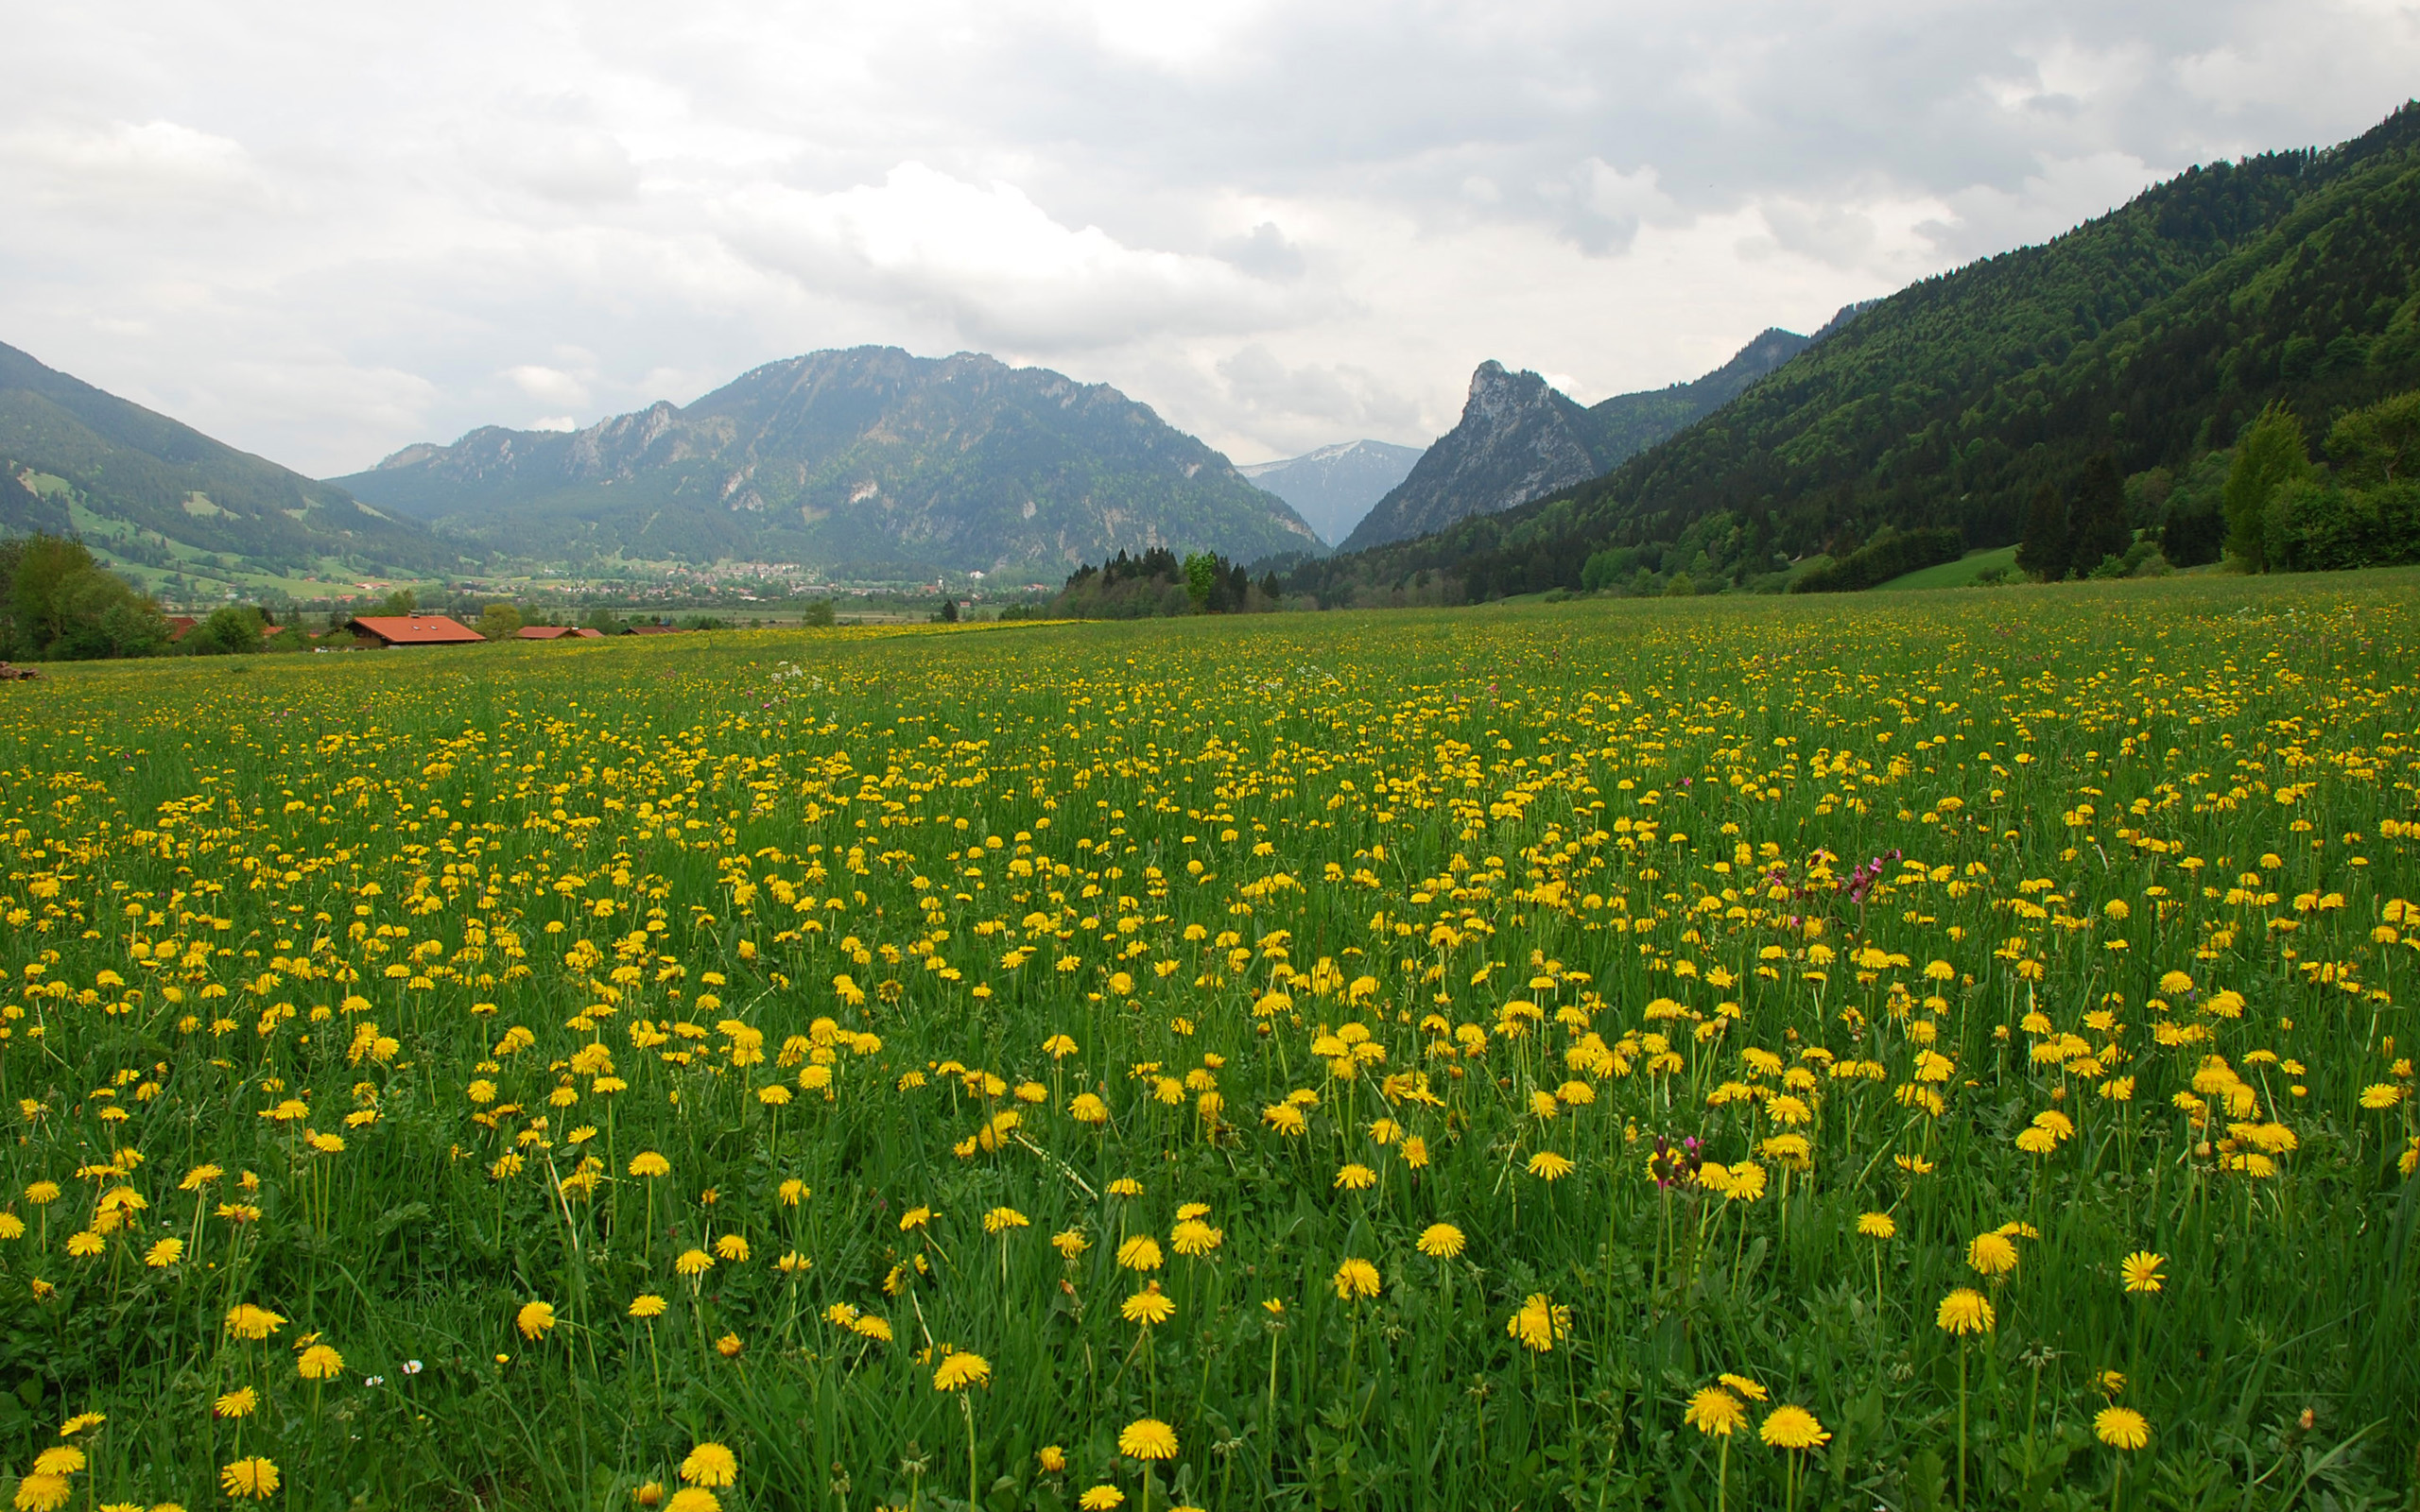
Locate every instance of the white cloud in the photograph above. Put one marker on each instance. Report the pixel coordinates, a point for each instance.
(988, 261)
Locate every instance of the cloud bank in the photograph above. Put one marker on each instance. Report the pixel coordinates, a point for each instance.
(322, 232)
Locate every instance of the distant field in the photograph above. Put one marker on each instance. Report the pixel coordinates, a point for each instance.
(1398, 1060)
(1963, 573)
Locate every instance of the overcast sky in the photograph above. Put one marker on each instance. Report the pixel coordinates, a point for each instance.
(324, 231)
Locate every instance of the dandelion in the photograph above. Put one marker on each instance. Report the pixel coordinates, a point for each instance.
(1538, 1322)
(1140, 1253)
(60, 1459)
(2141, 1271)
(165, 1253)
(319, 1362)
(1071, 1243)
(2122, 1428)
(1051, 1458)
(1548, 1166)
(646, 1305)
(534, 1319)
(1440, 1241)
(1794, 1431)
(1148, 1438)
(1355, 1279)
(251, 1476)
(693, 1263)
(963, 1369)
(1717, 1413)
(37, 1493)
(1356, 1177)
(1991, 1255)
(1963, 1314)
(1101, 1499)
(246, 1321)
(710, 1465)
(1150, 1307)
(693, 1499)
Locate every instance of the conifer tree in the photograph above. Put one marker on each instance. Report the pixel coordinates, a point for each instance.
(2043, 554)
(2098, 530)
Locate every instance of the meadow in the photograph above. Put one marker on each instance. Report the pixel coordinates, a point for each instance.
(1945, 1049)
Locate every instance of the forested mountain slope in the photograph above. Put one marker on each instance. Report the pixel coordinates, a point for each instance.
(2153, 333)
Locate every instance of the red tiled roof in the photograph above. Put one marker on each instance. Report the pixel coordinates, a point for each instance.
(545, 632)
(414, 630)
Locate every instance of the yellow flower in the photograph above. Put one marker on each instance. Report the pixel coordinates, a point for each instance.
(915, 1218)
(253, 1476)
(693, 1263)
(1101, 1499)
(1142, 1252)
(60, 1459)
(1991, 1254)
(1715, 1411)
(246, 1321)
(85, 1244)
(1548, 1166)
(44, 1493)
(1000, 1220)
(2142, 1271)
(165, 1254)
(1878, 1226)
(534, 1319)
(646, 1305)
(1356, 1177)
(960, 1370)
(1792, 1428)
(649, 1164)
(1440, 1241)
(1748, 1386)
(693, 1499)
(1051, 1459)
(2380, 1094)
(1355, 1279)
(2122, 1428)
(710, 1463)
(1146, 1438)
(731, 1247)
(1150, 1307)
(1071, 1243)
(1538, 1322)
(319, 1362)
(81, 1421)
(1965, 1310)
(237, 1403)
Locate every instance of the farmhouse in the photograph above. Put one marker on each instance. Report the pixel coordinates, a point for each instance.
(382, 631)
(557, 632)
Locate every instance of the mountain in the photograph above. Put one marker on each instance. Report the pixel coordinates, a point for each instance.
(155, 497)
(1334, 487)
(2154, 335)
(1519, 438)
(867, 458)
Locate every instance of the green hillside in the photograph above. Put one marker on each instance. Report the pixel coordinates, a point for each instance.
(161, 500)
(2154, 333)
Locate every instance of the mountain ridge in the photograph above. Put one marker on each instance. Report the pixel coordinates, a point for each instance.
(150, 492)
(1520, 439)
(1333, 486)
(868, 453)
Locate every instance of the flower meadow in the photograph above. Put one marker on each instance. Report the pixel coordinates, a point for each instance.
(1935, 1050)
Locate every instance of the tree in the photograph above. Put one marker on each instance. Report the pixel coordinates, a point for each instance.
(233, 630)
(57, 601)
(500, 622)
(2270, 456)
(2378, 446)
(817, 616)
(2098, 528)
(402, 601)
(2043, 554)
(949, 611)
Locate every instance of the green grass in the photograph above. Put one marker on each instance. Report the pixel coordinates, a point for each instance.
(1963, 573)
(369, 976)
